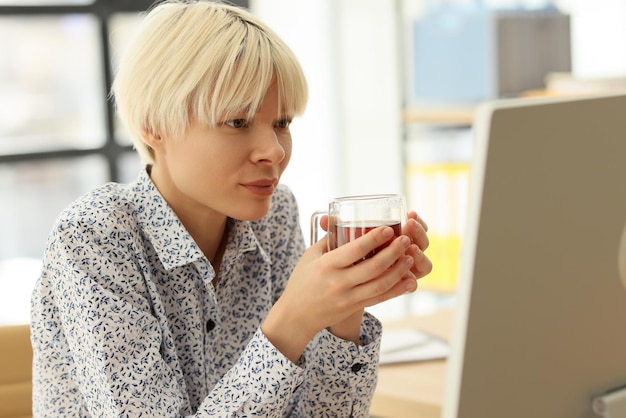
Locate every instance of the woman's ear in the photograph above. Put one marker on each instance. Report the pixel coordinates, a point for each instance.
(151, 139)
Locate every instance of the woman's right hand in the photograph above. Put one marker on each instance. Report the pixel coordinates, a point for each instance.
(328, 287)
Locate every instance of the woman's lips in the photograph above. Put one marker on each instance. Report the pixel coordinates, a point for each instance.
(261, 187)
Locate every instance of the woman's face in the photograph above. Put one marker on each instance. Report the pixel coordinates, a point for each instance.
(230, 170)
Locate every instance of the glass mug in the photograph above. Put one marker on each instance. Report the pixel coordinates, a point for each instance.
(351, 217)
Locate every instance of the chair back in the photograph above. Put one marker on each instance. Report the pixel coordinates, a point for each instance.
(16, 356)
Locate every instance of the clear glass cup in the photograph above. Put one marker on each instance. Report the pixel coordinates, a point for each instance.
(353, 216)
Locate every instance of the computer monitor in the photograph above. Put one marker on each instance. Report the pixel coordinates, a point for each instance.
(540, 320)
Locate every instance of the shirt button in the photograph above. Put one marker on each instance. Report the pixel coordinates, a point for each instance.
(356, 367)
(210, 325)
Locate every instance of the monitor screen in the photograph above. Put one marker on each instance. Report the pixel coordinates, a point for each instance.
(540, 322)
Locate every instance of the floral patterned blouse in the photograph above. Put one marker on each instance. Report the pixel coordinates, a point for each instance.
(126, 321)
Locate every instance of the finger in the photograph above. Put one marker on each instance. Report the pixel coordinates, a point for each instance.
(383, 259)
(405, 286)
(321, 246)
(417, 233)
(389, 286)
(386, 262)
(422, 265)
(324, 222)
(355, 251)
(414, 215)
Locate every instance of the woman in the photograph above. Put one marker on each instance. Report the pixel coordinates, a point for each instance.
(189, 291)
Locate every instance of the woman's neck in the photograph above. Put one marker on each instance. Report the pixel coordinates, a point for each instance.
(207, 227)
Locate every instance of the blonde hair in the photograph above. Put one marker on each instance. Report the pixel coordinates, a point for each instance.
(205, 60)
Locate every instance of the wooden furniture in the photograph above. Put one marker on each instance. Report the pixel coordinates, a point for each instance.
(15, 371)
(414, 389)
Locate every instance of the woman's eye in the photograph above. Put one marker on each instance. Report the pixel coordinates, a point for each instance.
(237, 123)
(283, 123)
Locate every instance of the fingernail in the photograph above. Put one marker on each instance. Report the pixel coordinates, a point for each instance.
(388, 233)
(405, 241)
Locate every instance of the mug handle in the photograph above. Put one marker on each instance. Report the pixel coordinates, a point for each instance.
(315, 225)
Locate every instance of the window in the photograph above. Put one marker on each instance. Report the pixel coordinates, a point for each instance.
(58, 134)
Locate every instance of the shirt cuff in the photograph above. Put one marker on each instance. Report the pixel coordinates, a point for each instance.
(341, 376)
(334, 356)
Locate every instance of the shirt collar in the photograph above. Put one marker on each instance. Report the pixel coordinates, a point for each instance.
(242, 238)
(172, 242)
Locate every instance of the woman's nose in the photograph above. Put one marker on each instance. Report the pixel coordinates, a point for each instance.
(268, 148)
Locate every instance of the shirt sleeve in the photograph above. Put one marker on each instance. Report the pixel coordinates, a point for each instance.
(265, 374)
(340, 376)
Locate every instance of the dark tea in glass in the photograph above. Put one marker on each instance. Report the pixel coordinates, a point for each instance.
(343, 232)
(353, 216)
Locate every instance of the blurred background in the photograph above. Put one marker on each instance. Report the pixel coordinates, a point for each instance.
(393, 86)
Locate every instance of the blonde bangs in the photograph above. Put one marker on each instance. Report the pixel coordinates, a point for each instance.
(239, 86)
